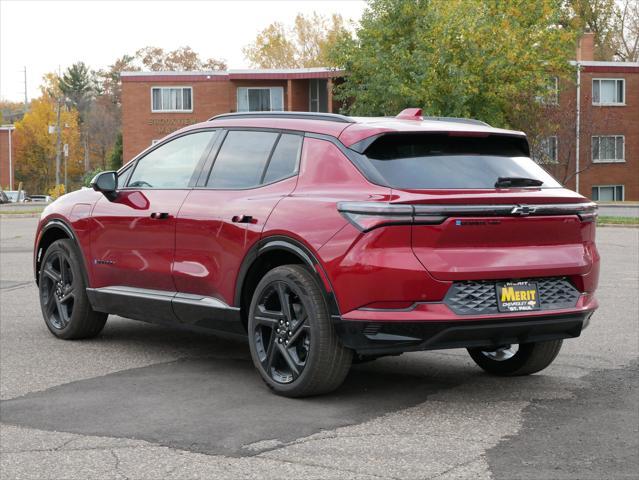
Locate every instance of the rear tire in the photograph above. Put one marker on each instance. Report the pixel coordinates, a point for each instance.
(529, 358)
(63, 297)
(293, 343)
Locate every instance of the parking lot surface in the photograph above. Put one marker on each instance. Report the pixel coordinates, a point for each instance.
(145, 402)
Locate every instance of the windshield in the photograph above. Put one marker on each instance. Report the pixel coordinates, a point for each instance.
(436, 161)
(13, 196)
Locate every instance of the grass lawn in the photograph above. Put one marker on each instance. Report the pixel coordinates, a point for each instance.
(618, 220)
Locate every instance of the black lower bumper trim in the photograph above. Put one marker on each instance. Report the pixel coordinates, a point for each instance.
(387, 338)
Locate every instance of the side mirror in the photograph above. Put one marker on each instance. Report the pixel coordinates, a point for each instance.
(107, 183)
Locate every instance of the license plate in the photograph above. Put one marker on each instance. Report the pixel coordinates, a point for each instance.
(517, 296)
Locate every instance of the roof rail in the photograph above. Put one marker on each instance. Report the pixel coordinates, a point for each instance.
(328, 117)
(470, 121)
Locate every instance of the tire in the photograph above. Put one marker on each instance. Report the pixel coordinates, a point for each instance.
(529, 358)
(65, 306)
(295, 350)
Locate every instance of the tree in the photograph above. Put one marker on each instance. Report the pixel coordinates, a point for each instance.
(305, 44)
(77, 85)
(627, 31)
(180, 59)
(463, 58)
(598, 17)
(36, 147)
(109, 83)
(116, 154)
(103, 123)
(615, 24)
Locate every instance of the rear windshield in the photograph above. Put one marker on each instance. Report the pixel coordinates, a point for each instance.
(435, 161)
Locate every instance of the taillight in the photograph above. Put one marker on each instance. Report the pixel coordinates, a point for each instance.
(369, 215)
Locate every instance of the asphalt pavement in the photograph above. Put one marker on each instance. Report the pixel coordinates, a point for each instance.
(146, 402)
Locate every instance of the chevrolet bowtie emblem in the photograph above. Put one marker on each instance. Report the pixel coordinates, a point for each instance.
(523, 210)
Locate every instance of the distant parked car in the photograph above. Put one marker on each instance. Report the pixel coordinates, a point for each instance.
(18, 196)
(4, 198)
(41, 198)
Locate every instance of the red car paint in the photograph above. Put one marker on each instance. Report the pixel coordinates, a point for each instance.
(393, 273)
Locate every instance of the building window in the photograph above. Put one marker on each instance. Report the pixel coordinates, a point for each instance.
(550, 95)
(252, 99)
(607, 193)
(608, 91)
(171, 99)
(547, 151)
(609, 148)
(318, 95)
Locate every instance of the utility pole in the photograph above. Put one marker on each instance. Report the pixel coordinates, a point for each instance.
(26, 100)
(57, 145)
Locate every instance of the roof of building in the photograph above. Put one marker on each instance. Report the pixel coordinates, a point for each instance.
(239, 74)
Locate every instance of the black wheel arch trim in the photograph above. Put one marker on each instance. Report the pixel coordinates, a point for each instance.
(297, 248)
(68, 230)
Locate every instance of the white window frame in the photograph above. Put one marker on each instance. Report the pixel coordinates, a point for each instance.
(614, 187)
(551, 96)
(608, 104)
(165, 87)
(270, 92)
(608, 160)
(547, 159)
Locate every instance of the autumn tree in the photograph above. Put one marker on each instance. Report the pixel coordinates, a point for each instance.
(180, 59)
(36, 147)
(305, 44)
(462, 58)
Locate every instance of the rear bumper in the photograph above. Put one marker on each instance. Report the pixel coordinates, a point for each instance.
(392, 337)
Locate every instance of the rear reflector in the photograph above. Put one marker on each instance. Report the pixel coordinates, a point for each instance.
(369, 215)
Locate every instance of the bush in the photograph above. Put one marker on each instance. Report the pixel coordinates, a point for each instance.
(57, 191)
(87, 177)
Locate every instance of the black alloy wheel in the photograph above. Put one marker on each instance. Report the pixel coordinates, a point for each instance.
(293, 343)
(282, 334)
(57, 289)
(64, 302)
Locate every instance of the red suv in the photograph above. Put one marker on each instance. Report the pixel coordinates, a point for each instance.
(329, 239)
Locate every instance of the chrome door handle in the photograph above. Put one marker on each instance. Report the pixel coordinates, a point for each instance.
(160, 215)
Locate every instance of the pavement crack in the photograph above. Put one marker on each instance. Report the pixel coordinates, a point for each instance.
(462, 464)
(117, 464)
(319, 465)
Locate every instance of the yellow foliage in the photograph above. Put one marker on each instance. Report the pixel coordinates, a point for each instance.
(36, 147)
(57, 191)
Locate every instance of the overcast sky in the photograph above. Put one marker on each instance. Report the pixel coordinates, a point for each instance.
(43, 35)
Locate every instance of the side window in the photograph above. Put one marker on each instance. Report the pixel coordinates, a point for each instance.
(241, 159)
(172, 164)
(124, 174)
(284, 159)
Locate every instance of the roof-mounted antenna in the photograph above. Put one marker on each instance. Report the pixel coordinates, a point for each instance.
(410, 114)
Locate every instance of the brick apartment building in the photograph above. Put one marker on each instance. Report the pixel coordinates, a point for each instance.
(157, 103)
(606, 115)
(599, 116)
(7, 157)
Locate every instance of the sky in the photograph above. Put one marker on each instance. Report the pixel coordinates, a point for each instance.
(46, 35)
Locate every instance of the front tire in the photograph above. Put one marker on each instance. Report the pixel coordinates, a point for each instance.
(63, 297)
(528, 358)
(293, 343)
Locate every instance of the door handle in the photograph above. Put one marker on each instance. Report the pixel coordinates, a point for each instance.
(242, 219)
(160, 215)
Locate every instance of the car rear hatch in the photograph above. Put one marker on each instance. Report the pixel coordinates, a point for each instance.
(481, 209)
